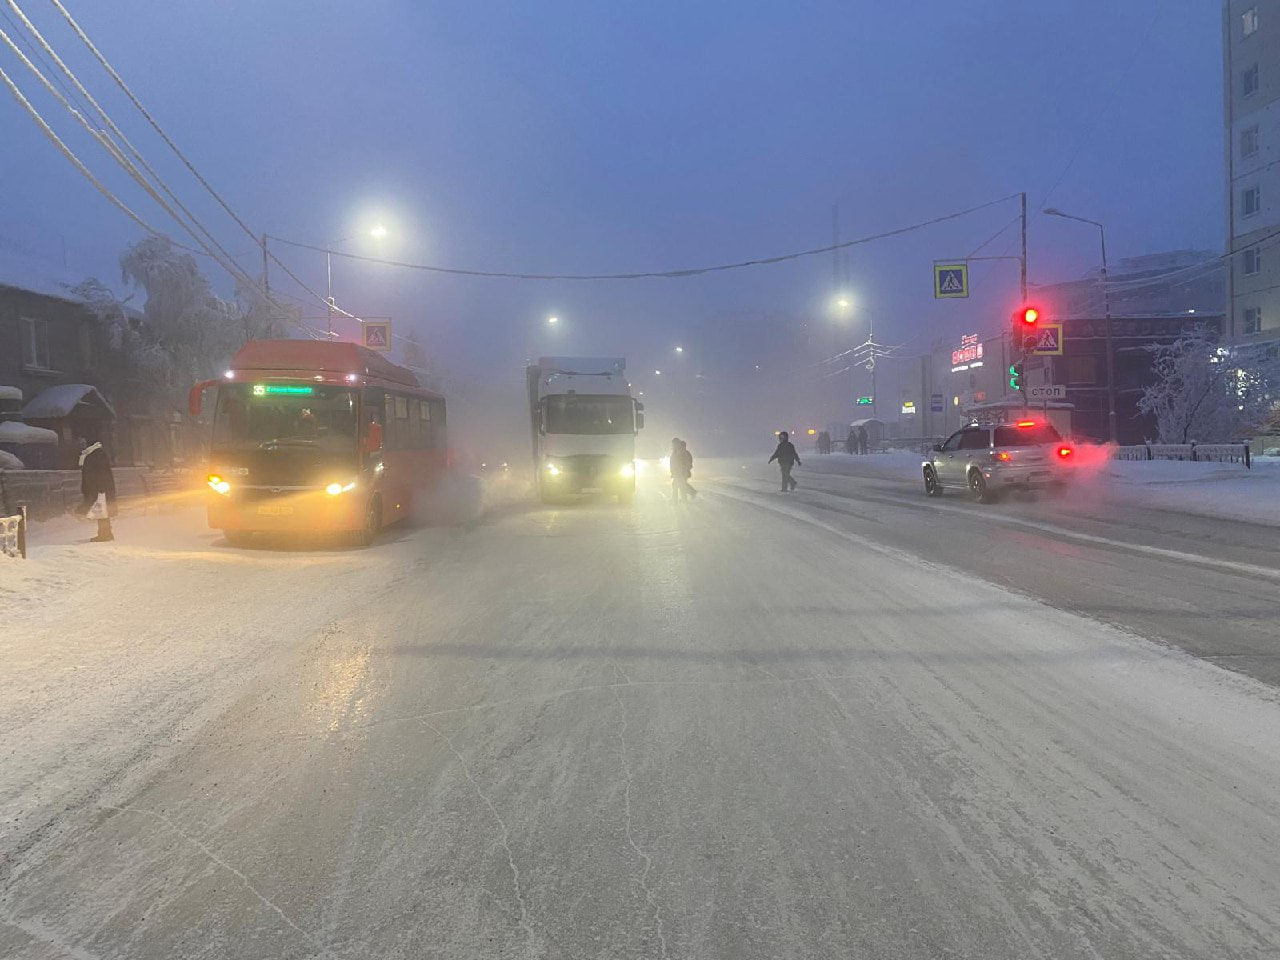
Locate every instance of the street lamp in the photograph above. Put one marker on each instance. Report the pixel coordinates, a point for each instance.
(378, 232)
(553, 320)
(1106, 306)
(679, 349)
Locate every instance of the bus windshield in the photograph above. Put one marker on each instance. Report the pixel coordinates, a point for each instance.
(266, 416)
(589, 414)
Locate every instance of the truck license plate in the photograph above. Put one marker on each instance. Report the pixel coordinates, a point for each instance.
(275, 510)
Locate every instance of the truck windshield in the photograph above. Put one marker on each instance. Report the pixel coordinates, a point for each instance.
(262, 416)
(593, 415)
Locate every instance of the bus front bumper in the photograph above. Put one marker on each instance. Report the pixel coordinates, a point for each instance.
(310, 511)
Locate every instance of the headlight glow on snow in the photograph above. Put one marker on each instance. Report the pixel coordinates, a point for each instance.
(218, 485)
(628, 470)
(334, 489)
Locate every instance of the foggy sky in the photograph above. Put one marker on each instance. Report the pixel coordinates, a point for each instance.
(602, 137)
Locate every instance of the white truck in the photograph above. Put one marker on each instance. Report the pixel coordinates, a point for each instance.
(584, 423)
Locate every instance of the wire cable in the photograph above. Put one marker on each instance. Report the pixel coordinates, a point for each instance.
(226, 261)
(107, 144)
(84, 37)
(651, 274)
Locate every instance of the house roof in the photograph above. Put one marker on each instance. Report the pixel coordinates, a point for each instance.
(62, 400)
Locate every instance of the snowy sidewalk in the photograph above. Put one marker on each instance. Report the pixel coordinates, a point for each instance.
(114, 652)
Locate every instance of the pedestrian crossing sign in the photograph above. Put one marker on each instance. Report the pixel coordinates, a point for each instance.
(1047, 341)
(950, 280)
(376, 334)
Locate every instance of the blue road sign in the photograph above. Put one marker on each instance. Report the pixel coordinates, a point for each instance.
(950, 280)
(935, 403)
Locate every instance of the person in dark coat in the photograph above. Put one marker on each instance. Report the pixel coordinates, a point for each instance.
(862, 439)
(96, 479)
(851, 442)
(681, 465)
(787, 458)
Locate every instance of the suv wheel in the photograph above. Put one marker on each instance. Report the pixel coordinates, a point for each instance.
(931, 486)
(978, 487)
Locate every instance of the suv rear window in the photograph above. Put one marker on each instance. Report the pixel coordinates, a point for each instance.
(979, 439)
(1037, 436)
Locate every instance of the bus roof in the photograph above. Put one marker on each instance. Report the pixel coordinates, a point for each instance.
(317, 356)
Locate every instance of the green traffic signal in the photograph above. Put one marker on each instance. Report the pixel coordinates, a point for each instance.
(1015, 376)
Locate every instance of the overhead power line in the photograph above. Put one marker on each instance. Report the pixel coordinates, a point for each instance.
(106, 65)
(652, 274)
(223, 257)
(107, 144)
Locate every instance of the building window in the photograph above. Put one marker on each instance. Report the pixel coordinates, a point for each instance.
(1252, 261)
(1250, 201)
(1252, 320)
(35, 346)
(1249, 81)
(1250, 20)
(88, 347)
(1249, 141)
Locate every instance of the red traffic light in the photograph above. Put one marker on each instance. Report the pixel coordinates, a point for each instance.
(1028, 316)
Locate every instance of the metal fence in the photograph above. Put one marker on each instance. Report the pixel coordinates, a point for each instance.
(13, 535)
(1198, 452)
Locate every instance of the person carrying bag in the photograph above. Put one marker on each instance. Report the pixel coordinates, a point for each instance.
(98, 487)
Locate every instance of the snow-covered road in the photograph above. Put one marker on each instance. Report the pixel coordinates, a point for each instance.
(751, 726)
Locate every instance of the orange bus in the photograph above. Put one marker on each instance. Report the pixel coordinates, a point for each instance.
(313, 436)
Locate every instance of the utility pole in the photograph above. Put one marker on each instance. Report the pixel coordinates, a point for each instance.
(266, 280)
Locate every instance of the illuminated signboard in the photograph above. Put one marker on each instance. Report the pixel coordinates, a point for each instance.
(280, 390)
(865, 401)
(908, 406)
(969, 354)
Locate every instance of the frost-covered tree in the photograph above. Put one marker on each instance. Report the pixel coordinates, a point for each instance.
(1204, 392)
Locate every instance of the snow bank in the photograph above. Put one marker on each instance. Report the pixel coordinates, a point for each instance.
(11, 431)
(9, 462)
(1224, 490)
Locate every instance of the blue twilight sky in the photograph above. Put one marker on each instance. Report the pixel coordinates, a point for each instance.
(608, 136)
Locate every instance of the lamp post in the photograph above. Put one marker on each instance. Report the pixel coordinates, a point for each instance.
(1106, 306)
(378, 232)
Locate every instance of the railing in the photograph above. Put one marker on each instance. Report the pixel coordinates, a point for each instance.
(1199, 452)
(921, 445)
(13, 535)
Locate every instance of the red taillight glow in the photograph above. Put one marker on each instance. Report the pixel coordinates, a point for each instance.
(1026, 423)
(1065, 452)
(1003, 455)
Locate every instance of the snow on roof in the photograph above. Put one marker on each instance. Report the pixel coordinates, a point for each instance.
(9, 462)
(59, 401)
(12, 431)
(10, 393)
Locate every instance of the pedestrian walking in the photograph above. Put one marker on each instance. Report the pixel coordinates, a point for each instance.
(680, 465)
(787, 458)
(863, 439)
(98, 487)
(851, 442)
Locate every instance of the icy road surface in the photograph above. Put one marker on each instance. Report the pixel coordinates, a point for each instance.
(746, 727)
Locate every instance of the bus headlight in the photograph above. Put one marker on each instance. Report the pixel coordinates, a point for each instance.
(553, 470)
(628, 470)
(218, 485)
(334, 489)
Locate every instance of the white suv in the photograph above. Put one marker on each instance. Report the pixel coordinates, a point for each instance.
(986, 458)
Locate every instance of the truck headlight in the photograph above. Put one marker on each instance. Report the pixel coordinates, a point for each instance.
(553, 470)
(218, 485)
(334, 489)
(628, 470)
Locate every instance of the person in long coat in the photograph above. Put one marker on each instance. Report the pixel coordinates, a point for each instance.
(96, 479)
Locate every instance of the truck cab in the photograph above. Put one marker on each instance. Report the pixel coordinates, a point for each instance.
(584, 423)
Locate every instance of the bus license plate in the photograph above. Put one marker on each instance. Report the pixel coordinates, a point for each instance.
(275, 510)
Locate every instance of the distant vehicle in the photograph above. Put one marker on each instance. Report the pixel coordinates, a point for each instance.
(584, 423)
(988, 458)
(318, 437)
